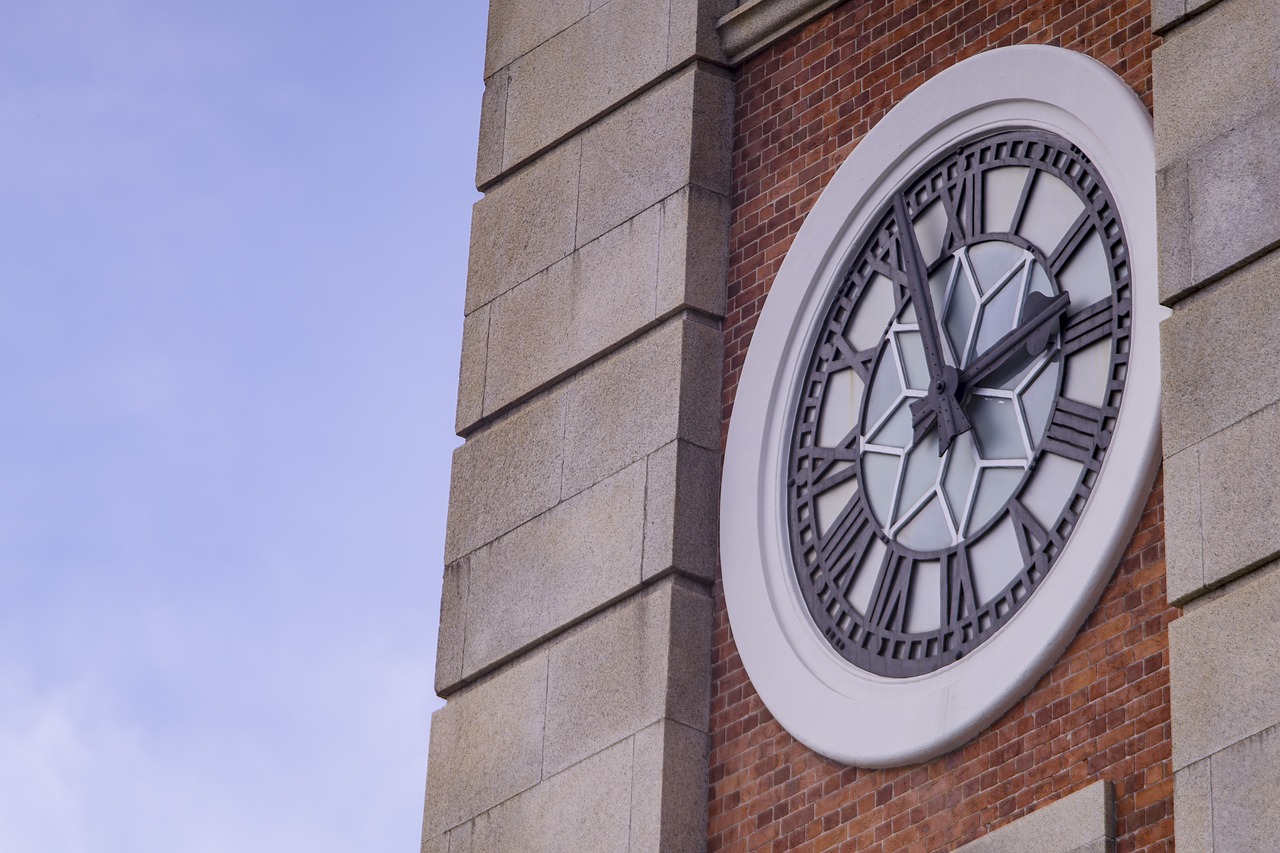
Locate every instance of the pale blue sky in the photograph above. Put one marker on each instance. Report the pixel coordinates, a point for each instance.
(232, 257)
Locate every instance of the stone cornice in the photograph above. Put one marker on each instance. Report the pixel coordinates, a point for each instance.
(756, 24)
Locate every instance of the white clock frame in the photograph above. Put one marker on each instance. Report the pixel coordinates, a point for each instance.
(831, 706)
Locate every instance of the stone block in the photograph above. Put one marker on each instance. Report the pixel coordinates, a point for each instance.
(1234, 189)
(517, 27)
(587, 807)
(693, 263)
(1184, 545)
(1165, 13)
(493, 128)
(1081, 821)
(553, 570)
(1218, 354)
(678, 132)
(583, 305)
(460, 838)
(582, 72)
(1192, 810)
(439, 844)
(453, 622)
(1222, 675)
(693, 30)
(660, 387)
(1215, 73)
(475, 346)
(669, 790)
(486, 745)
(1173, 224)
(682, 511)
(625, 669)
(505, 475)
(756, 24)
(1246, 788)
(523, 225)
(1240, 496)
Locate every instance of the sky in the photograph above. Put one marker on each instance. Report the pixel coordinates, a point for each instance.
(233, 242)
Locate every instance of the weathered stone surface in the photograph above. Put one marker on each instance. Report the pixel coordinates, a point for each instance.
(581, 72)
(586, 303)
(625, 669)
(1246, 788)
(554, 569)
(1082, 821)
(662, 386)
(1192, 810)
(693, 30)
(1164, 13)
(475, 345)
(1240, 496)
(505, 475)
(460, 838)
(587, 807)
(1223, 653)
(453, 620)
(693, 264)
(1215, 73)
(677, 133)
(669, 790)
(682, 518)
(517, 27)
(1173, 214)
(756, 24)
(486, 745)
(1235, 193)
(523, 225)
(493, 128)
(1218, 354)
(1184, 548)
(439, 844)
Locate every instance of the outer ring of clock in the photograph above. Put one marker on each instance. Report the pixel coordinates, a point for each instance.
(835, 708)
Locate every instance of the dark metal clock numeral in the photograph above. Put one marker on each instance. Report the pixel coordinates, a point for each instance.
(822, 459)
(1076, 234)
(1075, 430)
(841, 354)
(959, 599)
(890, 597)
(847, 539)
(1092, 323)
(962, 201)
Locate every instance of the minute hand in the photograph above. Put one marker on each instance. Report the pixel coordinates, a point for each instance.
(941, 404)
(1044, 310)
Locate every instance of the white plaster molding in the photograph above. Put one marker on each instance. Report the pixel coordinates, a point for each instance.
(756, 24)
(834, 708)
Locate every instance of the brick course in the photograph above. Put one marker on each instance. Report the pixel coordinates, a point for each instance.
(1102, 711)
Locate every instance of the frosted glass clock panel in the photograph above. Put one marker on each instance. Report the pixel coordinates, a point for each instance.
(958, 400)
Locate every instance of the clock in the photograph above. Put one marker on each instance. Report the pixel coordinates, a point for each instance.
(947, 423)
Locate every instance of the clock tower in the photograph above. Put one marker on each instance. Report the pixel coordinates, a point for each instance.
(868, 413)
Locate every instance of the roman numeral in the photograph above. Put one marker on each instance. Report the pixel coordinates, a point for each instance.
(1076, 234)
(959, 598)
(822, 459)
(1023, 198)
(963, 202)
(1092, 323)
(840, 354)
(847, 539)
(1075, 430)
(891, 597)
(1031, 535)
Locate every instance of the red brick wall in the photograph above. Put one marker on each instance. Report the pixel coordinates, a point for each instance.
(1102, 712)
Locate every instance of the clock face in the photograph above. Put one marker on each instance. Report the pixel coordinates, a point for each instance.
(947, 421)
(958, 401)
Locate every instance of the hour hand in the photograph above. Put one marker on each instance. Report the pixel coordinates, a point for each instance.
(1034, 333)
